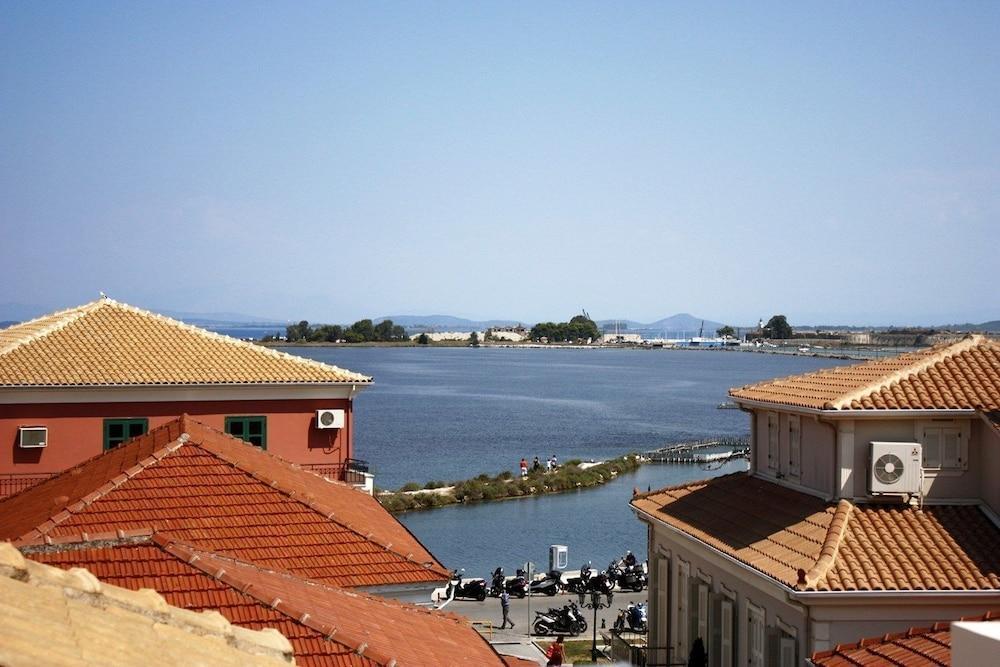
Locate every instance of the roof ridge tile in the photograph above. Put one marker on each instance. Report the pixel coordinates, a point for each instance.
(831, 546)
(62, 318)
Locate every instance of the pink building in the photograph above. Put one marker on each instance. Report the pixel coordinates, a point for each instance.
(82, 381)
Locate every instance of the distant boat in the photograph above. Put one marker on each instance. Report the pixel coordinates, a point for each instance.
(804, 348)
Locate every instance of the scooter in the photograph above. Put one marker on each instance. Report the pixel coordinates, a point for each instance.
(497, 585)
(565, 620)
(518, 584)
(466, 589)
(633, 616)
(601, 583)
(626, 576)
(550, 584)
(579, 584)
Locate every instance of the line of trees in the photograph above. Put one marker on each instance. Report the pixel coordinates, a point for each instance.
(580, 328)
(362, 331)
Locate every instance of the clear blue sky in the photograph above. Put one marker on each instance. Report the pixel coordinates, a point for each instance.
(835, 162)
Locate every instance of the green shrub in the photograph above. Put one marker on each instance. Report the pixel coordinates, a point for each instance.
(435, 484)
(409, 486)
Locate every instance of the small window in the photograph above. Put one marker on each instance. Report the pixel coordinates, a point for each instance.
(943, 448)
(251, 429)
(117, 431)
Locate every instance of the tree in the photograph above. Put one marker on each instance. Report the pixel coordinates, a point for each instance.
(383, 330)
(778, 327)
(474, 339)
(297, 332)
(726, 331)
(423, 339)
(363, 329)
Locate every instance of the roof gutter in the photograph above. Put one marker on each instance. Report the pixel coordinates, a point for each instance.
(902, 595)
(886, 413)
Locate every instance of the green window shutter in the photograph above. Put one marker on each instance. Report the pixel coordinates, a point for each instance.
(251, 429)
(117, 431)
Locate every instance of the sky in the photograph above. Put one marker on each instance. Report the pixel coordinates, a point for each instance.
(833, 162)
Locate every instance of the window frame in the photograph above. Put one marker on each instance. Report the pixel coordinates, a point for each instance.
(245, 420)
(126, 423)
(943, 428)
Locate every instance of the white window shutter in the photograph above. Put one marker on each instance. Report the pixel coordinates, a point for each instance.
(772, 440)
(725, 650)
(683, 609)
(794, 446)
(787, 648)
(951, 451)
(932, 447)
(755, 636)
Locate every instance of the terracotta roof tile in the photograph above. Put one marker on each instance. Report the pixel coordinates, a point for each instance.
(325, 624)
(57, 617)
(106, 343)
(962, 375)
(917, 647)
(808, 544)
(222, 494)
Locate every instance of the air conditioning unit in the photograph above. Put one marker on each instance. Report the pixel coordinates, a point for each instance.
(31, 437)
(895, 468)
(329, 419)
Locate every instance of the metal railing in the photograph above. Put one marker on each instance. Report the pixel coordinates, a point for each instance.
(351, 471)
(11, 483)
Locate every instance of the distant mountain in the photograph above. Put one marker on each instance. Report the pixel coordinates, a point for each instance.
(681, 323)
(444, 323)
(992, 326)
(220, 318)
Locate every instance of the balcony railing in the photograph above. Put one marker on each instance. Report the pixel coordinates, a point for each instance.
(11, 483)
(351, 471)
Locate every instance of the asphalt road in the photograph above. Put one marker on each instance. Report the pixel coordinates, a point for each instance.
(488, 611)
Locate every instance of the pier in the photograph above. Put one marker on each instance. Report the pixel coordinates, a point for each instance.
(710, 450)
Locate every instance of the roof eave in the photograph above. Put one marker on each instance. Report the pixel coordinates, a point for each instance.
(874, 413)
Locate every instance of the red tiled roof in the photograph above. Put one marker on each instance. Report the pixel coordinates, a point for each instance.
(106, 343)
(326, 625)
(917, 647)
(217, 492)
(808, 544)
(962, 375)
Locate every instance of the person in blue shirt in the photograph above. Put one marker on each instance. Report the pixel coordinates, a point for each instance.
(505, 608)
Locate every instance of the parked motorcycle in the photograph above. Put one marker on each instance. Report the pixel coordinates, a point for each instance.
(550, 584)
(465, 589)
(497, 582)
(579, 584)
(633, 617)
(601, 583)
(564, 620)
(627, 576)
(518, 584)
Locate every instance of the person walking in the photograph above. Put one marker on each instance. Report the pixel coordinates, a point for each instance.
(505, 608)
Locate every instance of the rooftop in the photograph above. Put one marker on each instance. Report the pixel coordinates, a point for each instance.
(219, 493)
(917, 647)
(69, 618)
(106, 343)
(326, 625)
(961, 375)
(806, 543)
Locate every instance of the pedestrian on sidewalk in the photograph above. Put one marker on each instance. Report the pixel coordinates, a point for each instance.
(505, 608)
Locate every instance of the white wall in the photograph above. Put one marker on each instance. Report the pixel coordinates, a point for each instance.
(817, 454)
(986, 441)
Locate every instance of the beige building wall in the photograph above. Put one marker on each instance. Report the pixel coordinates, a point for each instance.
(816, 459)
(987, 441)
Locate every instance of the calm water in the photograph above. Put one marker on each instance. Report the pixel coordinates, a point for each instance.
(452, 413)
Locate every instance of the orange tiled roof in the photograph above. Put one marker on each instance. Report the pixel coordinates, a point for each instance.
(917, 647)
(962, 375)
(808, 544)
(106, 343)
(220, 493)
(70, 619)
(326, 625)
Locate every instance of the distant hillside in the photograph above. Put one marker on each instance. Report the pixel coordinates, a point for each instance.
(444, 323)
(681, 323)
(221, 318)
(993, 326)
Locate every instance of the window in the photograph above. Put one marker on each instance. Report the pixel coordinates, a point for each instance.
(251, 429)
(755, 635)
(944, 447)
(117, 431)
(727, 657)
(794, 446)
(772, 440)
(662, 615)
(699, 613)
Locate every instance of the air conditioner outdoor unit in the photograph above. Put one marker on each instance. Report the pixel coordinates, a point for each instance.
(895, 468)
(329, 419)
(31, 437)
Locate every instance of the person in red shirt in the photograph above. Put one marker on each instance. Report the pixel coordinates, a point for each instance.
(555, 652)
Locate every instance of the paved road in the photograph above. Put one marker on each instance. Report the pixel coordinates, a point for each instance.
(489, 610)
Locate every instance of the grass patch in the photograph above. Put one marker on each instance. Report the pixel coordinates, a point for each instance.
(483, 487)
(578, 651)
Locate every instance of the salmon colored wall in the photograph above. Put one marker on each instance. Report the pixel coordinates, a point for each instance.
(76, 430)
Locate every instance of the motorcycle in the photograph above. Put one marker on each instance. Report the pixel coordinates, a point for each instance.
(601, 583)
(565, 620)
(634, 616)
(497, 582)
(550, 584)
(466, 589)
(518, 584)
(579, 584)
(627, 576)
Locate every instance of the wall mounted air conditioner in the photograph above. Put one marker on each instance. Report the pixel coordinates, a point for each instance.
(329, 419)
(31, 437)
(895, 468)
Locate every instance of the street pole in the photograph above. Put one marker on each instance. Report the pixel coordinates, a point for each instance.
(595, 604)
